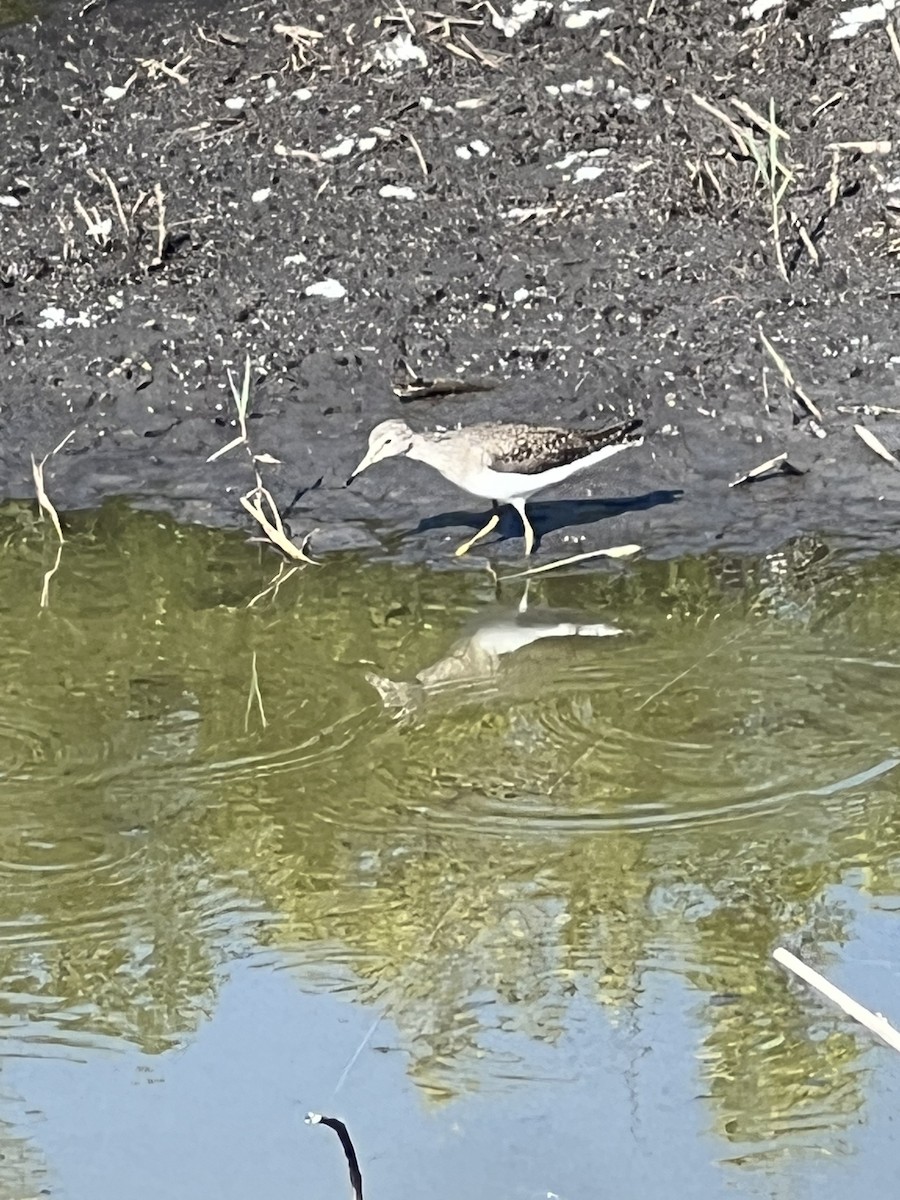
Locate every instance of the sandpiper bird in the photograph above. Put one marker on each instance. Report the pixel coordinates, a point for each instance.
(501, 462)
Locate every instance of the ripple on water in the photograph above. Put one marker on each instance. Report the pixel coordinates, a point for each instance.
(639, 739)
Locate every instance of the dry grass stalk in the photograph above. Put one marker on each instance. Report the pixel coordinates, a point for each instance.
(418, 151)
(46, 506)
(778, 178)
(612, 552)
(877, 445)
(117, 199)
(788, 376)
(258, 502)
(37, 471)
(773, 172)
(739, 134)
(97, 228)
(242, 403)
(874, 1022)
(255, 502)
(769, 128)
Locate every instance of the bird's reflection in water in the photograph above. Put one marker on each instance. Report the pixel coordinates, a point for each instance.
(476, 657)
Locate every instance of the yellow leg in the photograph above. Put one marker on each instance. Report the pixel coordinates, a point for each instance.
(467, 546)
(519, 506)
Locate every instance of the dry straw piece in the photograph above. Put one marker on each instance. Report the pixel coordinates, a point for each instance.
(612, 552)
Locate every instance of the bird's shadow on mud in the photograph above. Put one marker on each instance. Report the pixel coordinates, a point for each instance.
(549, 515)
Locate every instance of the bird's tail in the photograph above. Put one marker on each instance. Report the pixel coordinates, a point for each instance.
(616, 435)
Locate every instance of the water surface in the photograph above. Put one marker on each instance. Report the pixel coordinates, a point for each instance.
(494, 875)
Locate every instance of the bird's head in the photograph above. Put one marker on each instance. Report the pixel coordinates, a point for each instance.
(386, 440)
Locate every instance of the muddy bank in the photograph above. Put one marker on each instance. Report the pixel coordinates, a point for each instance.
(574, 212)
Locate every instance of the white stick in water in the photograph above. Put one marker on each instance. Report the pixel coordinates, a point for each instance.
(875, 1021)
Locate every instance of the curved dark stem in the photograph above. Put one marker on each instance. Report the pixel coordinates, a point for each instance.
(352, 1161)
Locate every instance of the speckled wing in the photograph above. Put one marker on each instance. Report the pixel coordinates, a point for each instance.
(527, 450)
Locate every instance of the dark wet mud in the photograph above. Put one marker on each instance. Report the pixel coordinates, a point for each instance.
(572, 213)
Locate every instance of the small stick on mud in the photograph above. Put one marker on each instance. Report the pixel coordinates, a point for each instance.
(808, 243)
(768, 127)
(405, 18)
(788, 376)
(778, 464)
(874, 1022)
(733, 128)
(877, 445)
(352, 1161)
(161, 231)
(418, 151)
(894, 40)
(868, 410)
(871, 146)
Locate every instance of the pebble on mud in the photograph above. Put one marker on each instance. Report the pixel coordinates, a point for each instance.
(328, 289)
